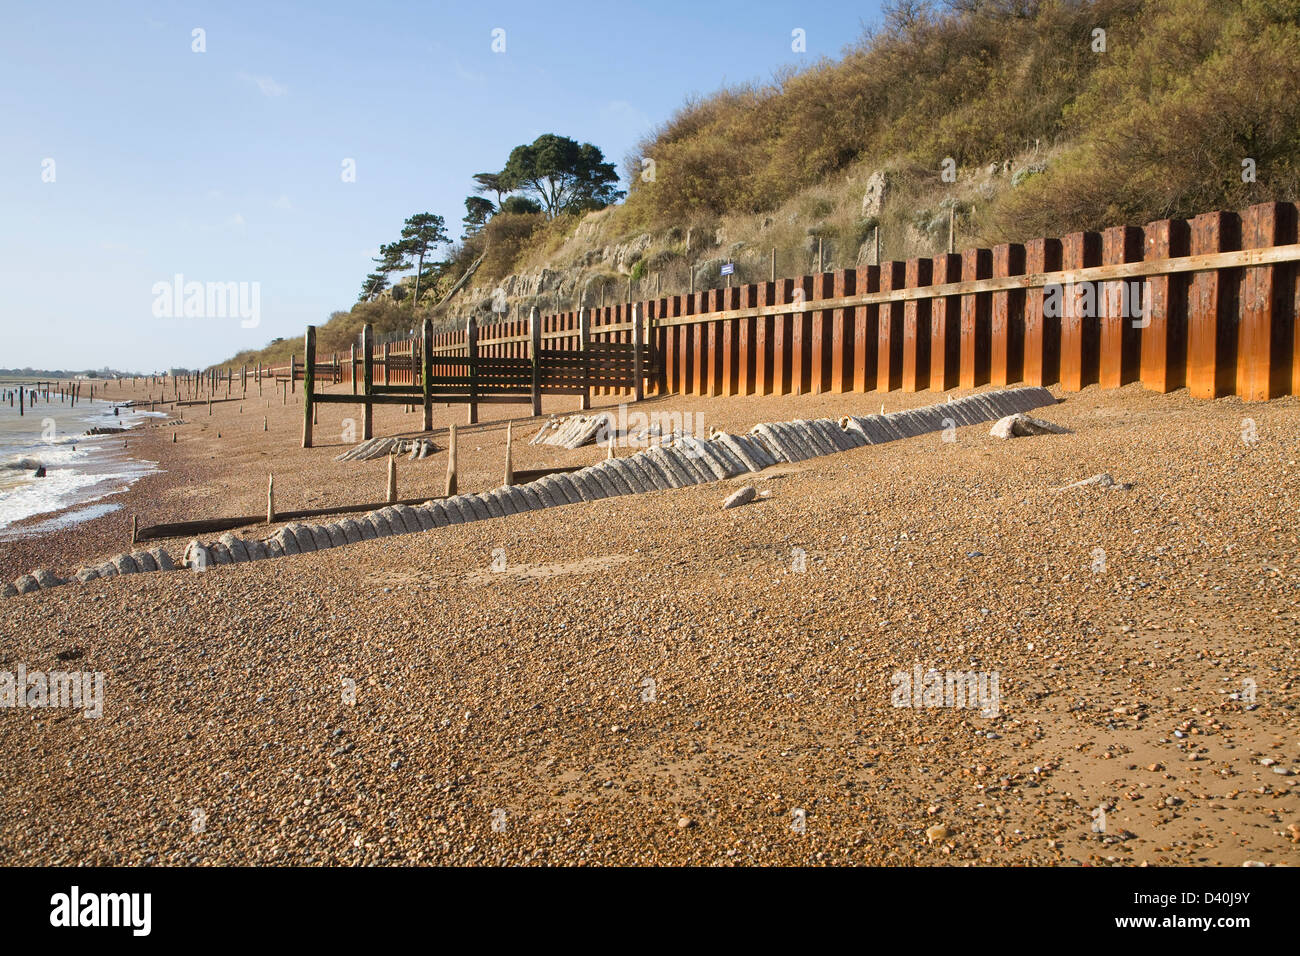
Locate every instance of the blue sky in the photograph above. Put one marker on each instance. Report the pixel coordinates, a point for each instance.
(225, 166)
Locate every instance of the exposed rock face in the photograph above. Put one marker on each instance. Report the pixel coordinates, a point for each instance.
(873, 199)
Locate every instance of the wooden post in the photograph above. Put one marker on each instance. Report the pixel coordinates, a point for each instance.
(1264, 338)
(801, 357)
(22, 398)
(638, 333)
(843, 283)
(945, 327)
(451, 458)
(293, 373)
(975, 264)
(135, 528)
(308, 384)
(866, 343)
(352, 366)
(1211, 331)
(889, 359)
(1007, 319)
(781, 335)
(270, 499)
(683, 305)
(729, 353)
(701, 377)
(368, 379)
(392, 479)
(510, 467)
(916, 327)
(745, 359)
(1079, 334)
(1159, 349)
(1042, 332)
(1119, 345)
(471, 350)
(714, 342)
(584, 342)
(534, 353)
(426, 372)
(772, 272)
(763, 343)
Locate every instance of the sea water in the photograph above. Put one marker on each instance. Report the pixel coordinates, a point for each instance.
(80, 471)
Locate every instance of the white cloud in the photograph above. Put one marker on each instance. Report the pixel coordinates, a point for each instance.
(236, 220)
(282, 202)
(265, 84)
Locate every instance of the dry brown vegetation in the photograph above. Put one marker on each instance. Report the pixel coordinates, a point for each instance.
(1048, 133)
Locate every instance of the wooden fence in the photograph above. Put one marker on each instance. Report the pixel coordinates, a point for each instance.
(510, 366)
(1210, 304)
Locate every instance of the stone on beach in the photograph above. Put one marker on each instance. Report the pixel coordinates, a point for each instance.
(1021, 425)
(742, 496)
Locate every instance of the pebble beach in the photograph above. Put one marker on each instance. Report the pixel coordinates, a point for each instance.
(656, 679)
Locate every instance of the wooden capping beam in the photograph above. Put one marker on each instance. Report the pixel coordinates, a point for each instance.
(1225, 260)
(308, 383)
(368, 380)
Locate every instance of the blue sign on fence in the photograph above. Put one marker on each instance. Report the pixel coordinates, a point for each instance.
(728, 268)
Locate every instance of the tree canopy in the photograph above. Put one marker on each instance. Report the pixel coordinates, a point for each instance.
(561, 174)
